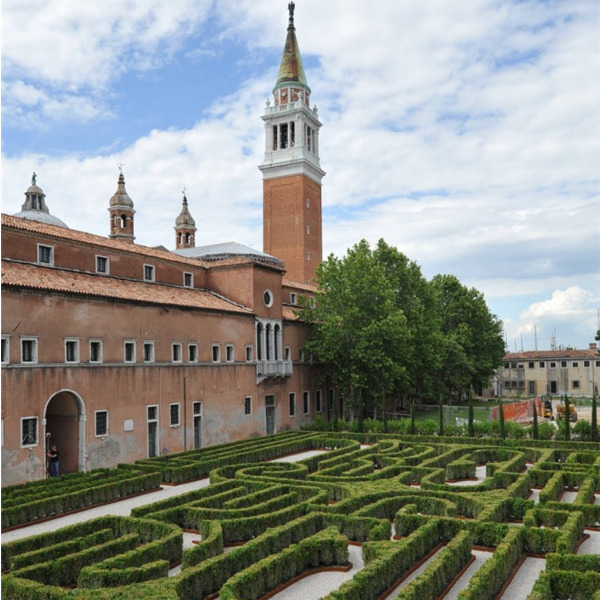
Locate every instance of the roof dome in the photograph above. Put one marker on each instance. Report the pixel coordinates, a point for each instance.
(120, 198)
(35, 209)
(185, 218)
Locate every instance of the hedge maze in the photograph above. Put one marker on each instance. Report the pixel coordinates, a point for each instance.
(407, 500)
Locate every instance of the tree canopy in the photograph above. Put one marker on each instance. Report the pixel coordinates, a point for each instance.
(382, 331)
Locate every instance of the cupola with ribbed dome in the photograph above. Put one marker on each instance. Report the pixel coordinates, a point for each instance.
(35, 209)
(185, 227)
(121, 213)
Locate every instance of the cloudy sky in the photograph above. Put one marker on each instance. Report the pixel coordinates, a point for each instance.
(464, 133)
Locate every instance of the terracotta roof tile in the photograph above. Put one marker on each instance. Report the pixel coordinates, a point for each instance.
(307, 287)
(28, 276)
(550, 354)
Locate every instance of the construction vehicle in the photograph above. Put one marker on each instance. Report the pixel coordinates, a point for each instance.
(547, 407)
(560, 412)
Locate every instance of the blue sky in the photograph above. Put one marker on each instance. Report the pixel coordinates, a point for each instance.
(466, 134)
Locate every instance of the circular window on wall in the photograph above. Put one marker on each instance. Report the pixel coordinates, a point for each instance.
(268, 297)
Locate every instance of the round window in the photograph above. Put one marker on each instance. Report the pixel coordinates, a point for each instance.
(268, 296)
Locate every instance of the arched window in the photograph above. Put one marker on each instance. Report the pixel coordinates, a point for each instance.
(123, 221)
(187, 238)
(269, 342)
(259, 333)
(277, 332)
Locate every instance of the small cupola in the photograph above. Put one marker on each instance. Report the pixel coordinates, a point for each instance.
(185, 227)
(121, 213)
(35, 209)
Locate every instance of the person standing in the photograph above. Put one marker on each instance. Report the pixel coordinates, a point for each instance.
(53, 457)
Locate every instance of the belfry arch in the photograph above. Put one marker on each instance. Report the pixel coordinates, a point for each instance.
(64, 426)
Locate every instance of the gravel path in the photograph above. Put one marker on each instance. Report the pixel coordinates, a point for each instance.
(524, 580)
(412, 576)
(568, 497)
(591, 545)
(480, 557)
(479, 474)
(320, 584)
(535, 496)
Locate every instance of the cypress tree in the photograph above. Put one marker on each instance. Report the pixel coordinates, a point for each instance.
(412, 418)
(501, 414)
(594, 419)
(567, 418)
(471, 428)
(441, 418)
(535, 422)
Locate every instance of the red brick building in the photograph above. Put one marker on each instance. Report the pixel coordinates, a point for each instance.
(115, 351)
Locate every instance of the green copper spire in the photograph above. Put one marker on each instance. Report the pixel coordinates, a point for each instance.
(291, 69)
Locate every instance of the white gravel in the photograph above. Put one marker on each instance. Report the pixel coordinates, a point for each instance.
(525, 579)
(480, 557)
(591, 545)
(568, 497)
(479, 474)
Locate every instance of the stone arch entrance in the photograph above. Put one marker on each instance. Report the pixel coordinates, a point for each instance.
(64, 426)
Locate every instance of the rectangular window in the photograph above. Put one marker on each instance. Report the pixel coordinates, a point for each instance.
(45, 255)
(176, 352)
(95, 351)
(216, 353)
(293, 298)
(301, 355)
(193, 353)
(197, 407)
(129, 351)
(287, 353)
(598, 363)
(148, 273)
(292, 404)
(305, 402)
(283, 135)
(29, 350)
(174, 412)
(229, 352)
(248, 353)
(5, 350)
(101, 423)
(318, 402)
(575, 364)
(563, 364)
(531, 365)
(29, 431)
(247, 405)
(148, 350)
(188, 280)
(72, 351)
(102, 265)
(542, 365)
(586, 363)
(152, 413)
(553, 365)
(575, 384)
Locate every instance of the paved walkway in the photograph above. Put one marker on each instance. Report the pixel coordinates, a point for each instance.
(523, 582)
(479, 474)
(463, 581)
(591, 545)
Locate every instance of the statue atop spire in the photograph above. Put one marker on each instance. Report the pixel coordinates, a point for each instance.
(291, 7)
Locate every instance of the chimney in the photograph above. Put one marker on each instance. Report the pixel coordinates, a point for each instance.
(593, 346)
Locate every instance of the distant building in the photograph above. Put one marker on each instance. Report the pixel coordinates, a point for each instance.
(535, 373)
(116, 352)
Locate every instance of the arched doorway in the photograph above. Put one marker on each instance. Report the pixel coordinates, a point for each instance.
(64, 421)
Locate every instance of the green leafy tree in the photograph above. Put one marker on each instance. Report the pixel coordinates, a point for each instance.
(594, 432)
(472, 346)
(359, 334)
(567, 418)
(471, 416)
(501, 416)
(536, 433)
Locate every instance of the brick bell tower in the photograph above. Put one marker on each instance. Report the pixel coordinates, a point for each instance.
(291, 169)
